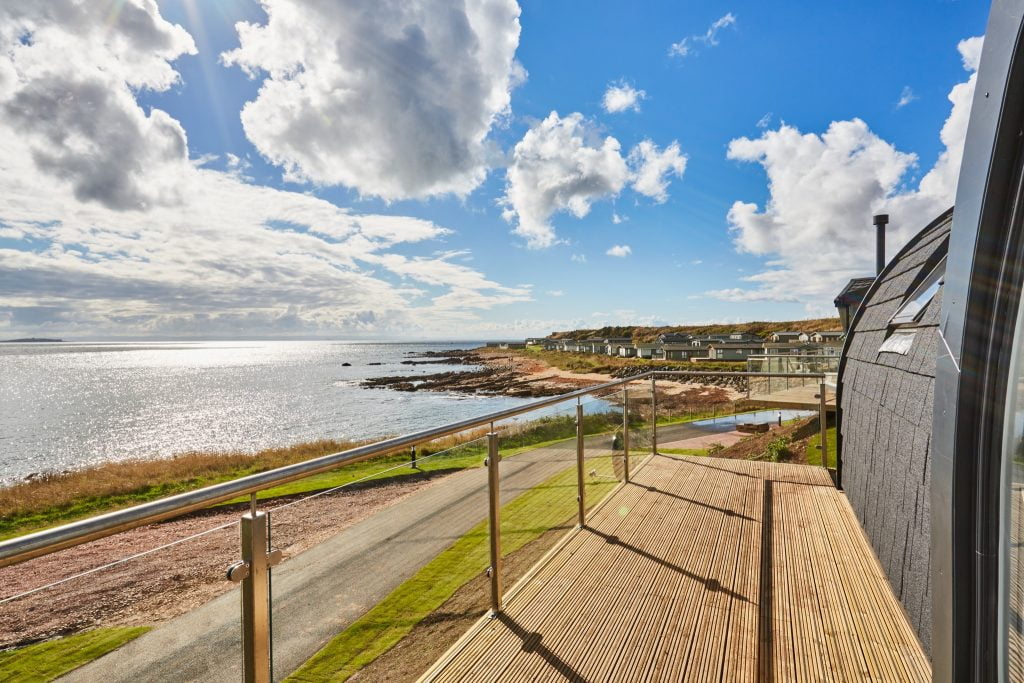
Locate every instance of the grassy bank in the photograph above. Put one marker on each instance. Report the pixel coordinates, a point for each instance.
(55, 499)
(54, 658)
(543, 507)
(582, 363)
(814, 453)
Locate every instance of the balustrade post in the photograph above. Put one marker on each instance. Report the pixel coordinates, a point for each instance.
(625, 435)
(581, 488)
(654, 415)
(823, 424)
(494, 516)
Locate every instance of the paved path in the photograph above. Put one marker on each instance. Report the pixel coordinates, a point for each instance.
(318, 593)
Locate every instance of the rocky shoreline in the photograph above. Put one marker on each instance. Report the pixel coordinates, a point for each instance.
(735, 383)
(488, 379)
(499, 376)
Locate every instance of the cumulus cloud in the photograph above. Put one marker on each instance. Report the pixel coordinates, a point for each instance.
(68, 76)
(709, 38)
(393, 99)
(563, 164)
(619, 250)
(621, 97)
(823, 192)
(652, 168)
(225, 256)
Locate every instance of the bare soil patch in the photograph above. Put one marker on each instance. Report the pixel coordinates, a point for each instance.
(754, 447)
(171, 581)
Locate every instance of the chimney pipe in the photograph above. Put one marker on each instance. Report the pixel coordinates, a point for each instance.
(880, 222)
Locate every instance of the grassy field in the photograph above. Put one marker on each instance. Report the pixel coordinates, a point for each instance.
(546, 506)
(53, 658)
(814, 453)
(683, 451)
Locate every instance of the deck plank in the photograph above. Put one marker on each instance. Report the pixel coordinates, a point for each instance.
(703, 569)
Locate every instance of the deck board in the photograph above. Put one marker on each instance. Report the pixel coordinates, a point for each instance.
(703, 569)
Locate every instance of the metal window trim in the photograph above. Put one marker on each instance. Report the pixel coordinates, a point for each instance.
(979, 309)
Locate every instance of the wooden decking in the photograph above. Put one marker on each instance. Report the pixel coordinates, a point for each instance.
(702, 569)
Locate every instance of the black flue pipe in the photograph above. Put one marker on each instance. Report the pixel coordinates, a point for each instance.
(880, 222)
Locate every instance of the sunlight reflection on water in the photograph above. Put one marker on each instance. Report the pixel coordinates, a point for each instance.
(66, 405)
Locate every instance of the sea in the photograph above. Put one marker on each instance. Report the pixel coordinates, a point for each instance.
(68, 405)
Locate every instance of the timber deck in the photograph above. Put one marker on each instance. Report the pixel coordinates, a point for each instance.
(702, 569)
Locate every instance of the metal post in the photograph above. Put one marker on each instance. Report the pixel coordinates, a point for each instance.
(823, 423)
(494, 500)
(880, 222)
(580, 485)
(625, 435)
(654, 416)
(255, 600)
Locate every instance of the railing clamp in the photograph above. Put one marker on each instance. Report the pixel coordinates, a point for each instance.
(239, 571)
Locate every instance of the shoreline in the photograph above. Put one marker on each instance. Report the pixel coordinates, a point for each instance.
(531, 375)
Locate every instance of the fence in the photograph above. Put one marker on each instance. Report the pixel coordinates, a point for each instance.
(541, 479)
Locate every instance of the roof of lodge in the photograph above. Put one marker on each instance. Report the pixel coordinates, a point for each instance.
(854, 291)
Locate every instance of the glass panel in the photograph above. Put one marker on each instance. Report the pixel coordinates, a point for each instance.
(378, 552)
(150, 604)
(538, 486)
(603, 464)
(1012, 560)
(925, 292)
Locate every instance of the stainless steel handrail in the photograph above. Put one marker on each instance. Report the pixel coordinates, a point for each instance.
(19, 549)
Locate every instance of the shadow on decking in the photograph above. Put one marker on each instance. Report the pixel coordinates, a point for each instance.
(705, 569)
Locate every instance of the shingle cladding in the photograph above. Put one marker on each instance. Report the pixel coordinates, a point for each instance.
(885, 402)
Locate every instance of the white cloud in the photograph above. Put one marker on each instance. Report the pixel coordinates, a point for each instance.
(906, 97)
(709, 38)
(393, 99)
(622, 96)
(619, 250)
(563, 164)
(617, 219)
(696, 262)
(555, 292)
(653, 167)
(68, 76)
(578, 258)
(764, 121)
(823, 192)
(107, 251)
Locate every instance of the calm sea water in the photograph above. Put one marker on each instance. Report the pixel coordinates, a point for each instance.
(67, 405)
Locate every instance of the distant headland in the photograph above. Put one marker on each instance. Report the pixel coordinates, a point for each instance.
(26, 340)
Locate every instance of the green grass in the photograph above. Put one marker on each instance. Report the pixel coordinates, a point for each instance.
(683, 451)
(581, 363)
(544, 507)
(53, 658)
(814, 453)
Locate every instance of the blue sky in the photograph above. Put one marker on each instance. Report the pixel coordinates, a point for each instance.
(424, 170)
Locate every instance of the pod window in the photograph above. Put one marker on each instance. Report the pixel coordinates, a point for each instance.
(910, 312)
